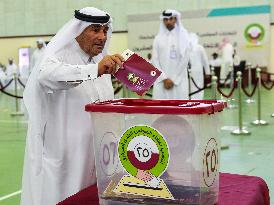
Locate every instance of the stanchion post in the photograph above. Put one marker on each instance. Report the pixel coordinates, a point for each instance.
(249, 66)
(259, 120)
(125, 91)
(214, 80)
(189, 82)
(231, 100)
(231, 76)
(212, 71)
(16, 93)
(16, 113)
(240, 130)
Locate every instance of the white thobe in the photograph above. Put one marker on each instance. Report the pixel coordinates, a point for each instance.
(167, 58)
(36, 56)
(215, 62)
(61, 162)
(236, 60)
(227, 60)
(199, 64)
(2, 76)
(11, 70)
(24, 72)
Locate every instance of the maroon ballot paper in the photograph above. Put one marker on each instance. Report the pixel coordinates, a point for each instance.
(138, 74)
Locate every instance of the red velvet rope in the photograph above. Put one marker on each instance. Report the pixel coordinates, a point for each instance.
(7, 93)
(11, 95)
(229, 94)
(21, 83)
(264, 72)
(118, 89)
(266, 87)
(196, 85)
(253, 91)
(199, 89)
(4, 87)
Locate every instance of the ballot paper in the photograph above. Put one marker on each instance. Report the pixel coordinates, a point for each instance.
(138, 74)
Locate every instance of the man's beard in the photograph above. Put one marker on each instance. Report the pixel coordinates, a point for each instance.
(170, 28)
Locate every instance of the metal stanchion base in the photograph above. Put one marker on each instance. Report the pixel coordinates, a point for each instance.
(240, 132)
(249, 100)
(259, 122)
(232, 106)
(17, 114)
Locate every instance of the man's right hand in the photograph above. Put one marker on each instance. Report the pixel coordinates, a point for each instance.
(168, 84)
(109, 64)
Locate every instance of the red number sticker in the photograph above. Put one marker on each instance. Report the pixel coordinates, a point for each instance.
(211, 162)
(108, 154)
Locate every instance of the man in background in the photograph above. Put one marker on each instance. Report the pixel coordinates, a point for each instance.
(2, 74)
(170, 54)
(11, 68)
(199, 66)
(227, 58)
(215, 61)
(236, 58)
(11, 72)
(37, 53)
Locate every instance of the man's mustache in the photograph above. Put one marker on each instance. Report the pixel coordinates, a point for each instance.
(100, 43)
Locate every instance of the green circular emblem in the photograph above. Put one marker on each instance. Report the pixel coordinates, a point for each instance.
(143, 147)
(254, 33)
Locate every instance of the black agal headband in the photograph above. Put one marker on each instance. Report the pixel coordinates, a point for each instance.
(166, 14)
(92, 19)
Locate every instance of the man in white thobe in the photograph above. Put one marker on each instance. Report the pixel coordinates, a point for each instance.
(37, 53)
(227, 58)
(199, 66)
(236, 59)
(170, 54)
(11, 68)
(3, 75)
(74, 71)
(11, 71)
(215, 61)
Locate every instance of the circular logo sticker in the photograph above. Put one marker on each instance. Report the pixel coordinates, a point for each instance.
(143, 148)
(210, 162)
(108, 154)
(254, 33)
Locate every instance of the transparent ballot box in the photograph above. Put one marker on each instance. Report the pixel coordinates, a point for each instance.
(156, 151)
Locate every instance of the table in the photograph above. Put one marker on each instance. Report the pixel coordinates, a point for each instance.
(234, 190)
(243, 190)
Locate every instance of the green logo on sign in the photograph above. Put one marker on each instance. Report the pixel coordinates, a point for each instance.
(143, 148)
(254, 33)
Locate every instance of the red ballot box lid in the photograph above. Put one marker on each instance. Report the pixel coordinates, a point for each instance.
(146, 106)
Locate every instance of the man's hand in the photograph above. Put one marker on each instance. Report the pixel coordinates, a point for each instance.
(143, 175)
(109, 64)
(168, 84)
